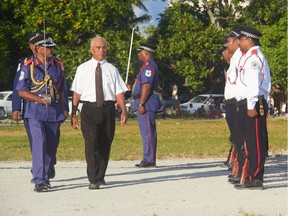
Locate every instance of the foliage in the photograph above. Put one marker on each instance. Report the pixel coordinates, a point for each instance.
(188, 36)
(72, 24)
(190, 32)
(188, 46)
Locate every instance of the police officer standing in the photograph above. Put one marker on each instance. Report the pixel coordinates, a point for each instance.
(232, 44)
(253, 84)
(146, 103)
(42, 83)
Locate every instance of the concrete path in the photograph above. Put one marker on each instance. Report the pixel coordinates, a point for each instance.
(177, 187)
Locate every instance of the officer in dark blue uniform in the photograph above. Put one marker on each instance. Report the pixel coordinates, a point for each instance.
(18, 103)
(146, 103)
(43, 86)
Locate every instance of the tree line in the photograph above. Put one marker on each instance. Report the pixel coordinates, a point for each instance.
(188, 37)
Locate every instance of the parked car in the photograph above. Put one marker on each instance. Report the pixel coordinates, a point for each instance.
(169, 104)
(196, 102)
(6, 103)
(183, 98)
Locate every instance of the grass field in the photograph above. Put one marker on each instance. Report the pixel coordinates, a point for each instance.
(176, 138)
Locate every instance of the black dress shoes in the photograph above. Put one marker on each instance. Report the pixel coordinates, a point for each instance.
(41, 188)
(145, 164)
(94, 186)
(102, 182)
(256, 184)
(234, 180)
(47, 182)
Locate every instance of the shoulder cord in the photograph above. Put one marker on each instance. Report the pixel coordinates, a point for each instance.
(234, 82)
(39, 85)
(241, 68)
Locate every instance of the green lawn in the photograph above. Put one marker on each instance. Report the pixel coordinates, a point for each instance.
(176, 138)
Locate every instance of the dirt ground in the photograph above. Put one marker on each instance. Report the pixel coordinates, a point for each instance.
(176, 187)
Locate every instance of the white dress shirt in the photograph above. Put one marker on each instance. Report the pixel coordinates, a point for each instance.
(231, 76)
(253, 77)
(84, 81)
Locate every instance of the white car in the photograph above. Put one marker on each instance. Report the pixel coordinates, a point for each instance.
(204, 99)
(6, 103)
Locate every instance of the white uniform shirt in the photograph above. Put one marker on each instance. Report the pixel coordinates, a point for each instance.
(230, 85)
(84, 81)
(253, 77)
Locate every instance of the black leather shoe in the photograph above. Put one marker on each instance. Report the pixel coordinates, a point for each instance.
(102, 182)
(47, 182)
(251, 185)
(234, 180)
(145, 164)
(41, 188)
(230, 176)
(94, 186)
(226, 163)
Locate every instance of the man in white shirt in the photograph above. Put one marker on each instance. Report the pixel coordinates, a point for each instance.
(98, 111)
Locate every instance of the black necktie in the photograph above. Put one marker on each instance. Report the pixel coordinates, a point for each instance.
(99, 87)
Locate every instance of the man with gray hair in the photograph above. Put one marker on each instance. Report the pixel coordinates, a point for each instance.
(99, 85)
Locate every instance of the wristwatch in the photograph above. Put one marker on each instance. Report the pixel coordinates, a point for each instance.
(140, 105)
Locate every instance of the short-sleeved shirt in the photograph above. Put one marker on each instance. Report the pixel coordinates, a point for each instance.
(85, 85)
(16, 99)
(148, 74)
(34, 110)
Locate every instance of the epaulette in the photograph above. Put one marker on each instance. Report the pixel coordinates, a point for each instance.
(254, 52)
(147, 63)
(28, 62)
(59, 61)
(37, 62)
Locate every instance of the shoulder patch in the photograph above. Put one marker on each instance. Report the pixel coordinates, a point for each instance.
(19, 67)
(254, 65)
(148, 73)
(147, 63)
(28, 62)
(21, 76)
(254, 52)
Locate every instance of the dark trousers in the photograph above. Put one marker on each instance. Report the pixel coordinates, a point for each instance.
(236, 133)
(98, 128)
(256, 138)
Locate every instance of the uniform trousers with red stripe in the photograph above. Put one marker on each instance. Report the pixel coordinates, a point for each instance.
(256, 138)
(147, 125)
(236, 133)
